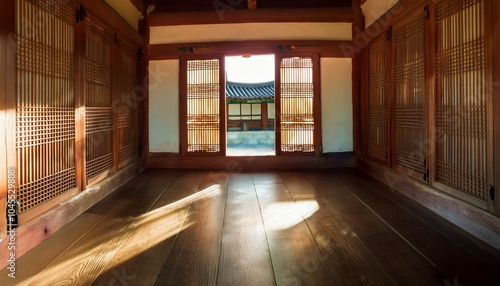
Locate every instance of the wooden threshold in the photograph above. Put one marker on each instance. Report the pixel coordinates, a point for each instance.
(232, 164)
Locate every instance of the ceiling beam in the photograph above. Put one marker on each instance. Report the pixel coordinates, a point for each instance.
(229, 16)
(252, 4)
(175, 51)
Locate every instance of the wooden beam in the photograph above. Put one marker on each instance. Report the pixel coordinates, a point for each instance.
(104, 12)
(252, 4)
(357, 27)
(175, 51)
(230, 15)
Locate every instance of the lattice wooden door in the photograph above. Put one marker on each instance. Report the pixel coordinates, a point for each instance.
(297, 106)
(126, 110)
(463, 156)
(45, 113)
(377, 99)
(98, 112)
(203, 105)
(409, 96)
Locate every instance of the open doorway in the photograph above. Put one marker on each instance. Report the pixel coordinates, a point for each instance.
(250, 105)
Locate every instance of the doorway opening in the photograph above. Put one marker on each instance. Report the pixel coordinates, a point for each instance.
(250, 105)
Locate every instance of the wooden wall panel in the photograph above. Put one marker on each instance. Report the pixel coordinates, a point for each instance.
(409, 95)
(462, 99)
(45, 114)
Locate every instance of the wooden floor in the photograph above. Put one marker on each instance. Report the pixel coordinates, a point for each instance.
(335, 227)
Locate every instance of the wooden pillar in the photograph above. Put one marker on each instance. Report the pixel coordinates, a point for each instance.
(79, 59)
(143, 90)
(496, 101)
(357, 27)
(264, 115)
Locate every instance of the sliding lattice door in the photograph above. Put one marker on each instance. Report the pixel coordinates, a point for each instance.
(377, 99)
(203, 103)
(409, 95)
(126, 86)
(462, 101)
(98, 113)
(296, 102)
(45, 113)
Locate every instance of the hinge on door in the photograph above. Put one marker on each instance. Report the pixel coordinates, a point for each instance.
(81, 15)
(389, 34)
(116, 38)
(492, 192)
(427, 12)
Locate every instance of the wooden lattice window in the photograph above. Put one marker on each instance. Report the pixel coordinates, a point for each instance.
(126, 86)
(409, 94)
(377, 99)
(45, 113)
(204, 101)
(98, 113)
(461, 103)
(295, 99)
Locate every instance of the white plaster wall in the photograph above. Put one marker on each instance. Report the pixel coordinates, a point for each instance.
(336, 104)
(374, 9)
(164, 106)
(250, 31)
(127, 10)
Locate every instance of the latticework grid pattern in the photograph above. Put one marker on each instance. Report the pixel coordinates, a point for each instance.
(203, 106)
(462, 125)
(45, 120)
(409, 94)
(126, 83)
(98, 112)
(296, 105)
(377, 100)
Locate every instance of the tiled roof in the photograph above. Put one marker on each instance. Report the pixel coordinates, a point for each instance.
(249, 91)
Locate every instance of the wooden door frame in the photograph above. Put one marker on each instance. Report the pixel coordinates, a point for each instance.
(317, 134)
(183, 104)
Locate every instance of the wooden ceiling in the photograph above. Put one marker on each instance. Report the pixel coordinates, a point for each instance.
(206, 5)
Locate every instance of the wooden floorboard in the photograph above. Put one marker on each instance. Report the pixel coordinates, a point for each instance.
(296, 258)
(84, 261)
(244, 258)
(194, 257)
(401, 261)
(313, 227)
(347, 257)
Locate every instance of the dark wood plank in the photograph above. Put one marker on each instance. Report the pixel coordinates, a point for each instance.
(346, 256)
(149, 244)
(401, 261)
(194, 257)
(89, 255)
(296, 258)
(244, 256)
